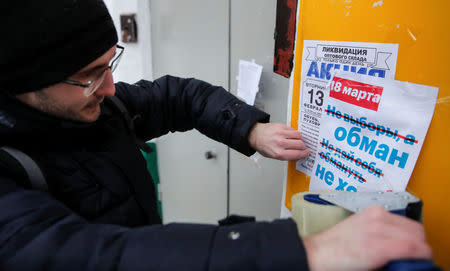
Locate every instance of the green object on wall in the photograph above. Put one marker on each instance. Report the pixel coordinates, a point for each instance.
(152, 167)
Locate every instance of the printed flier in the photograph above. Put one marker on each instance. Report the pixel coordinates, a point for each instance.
(321, 60)
(371, 133)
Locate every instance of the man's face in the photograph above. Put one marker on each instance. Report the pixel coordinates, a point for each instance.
(68, 101)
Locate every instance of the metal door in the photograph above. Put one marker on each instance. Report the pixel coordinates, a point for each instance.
(256, 186)
(196, 38)
(190, 39)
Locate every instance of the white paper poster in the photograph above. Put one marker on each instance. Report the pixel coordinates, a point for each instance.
(248, 80)
(321, 60)
(371, 133)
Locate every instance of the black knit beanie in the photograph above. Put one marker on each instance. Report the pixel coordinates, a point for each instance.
(45, 41)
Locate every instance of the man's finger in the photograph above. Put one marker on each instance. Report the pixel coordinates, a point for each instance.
(294, 144)
(402, 248)
(292, 134)
(293, 155)
(394, 227)
(408, 227)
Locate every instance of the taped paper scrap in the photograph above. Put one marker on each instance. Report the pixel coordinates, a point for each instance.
(248, 80)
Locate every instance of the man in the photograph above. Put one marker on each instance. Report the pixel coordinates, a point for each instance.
(100, 211)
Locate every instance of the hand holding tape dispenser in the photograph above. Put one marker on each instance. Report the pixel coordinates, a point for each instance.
(316, 211)
(370, 137)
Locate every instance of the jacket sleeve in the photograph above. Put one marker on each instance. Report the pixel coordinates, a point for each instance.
(176, 104)
(39, 233)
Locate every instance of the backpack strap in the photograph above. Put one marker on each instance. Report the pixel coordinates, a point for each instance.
(120, 106)
(32, 170)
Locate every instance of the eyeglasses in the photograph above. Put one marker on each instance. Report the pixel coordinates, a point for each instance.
(92, 86)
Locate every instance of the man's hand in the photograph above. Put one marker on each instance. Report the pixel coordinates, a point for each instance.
(366, 241)
(278, 141)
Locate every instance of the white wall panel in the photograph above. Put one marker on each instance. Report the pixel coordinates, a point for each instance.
(256, 187)
(190, 39)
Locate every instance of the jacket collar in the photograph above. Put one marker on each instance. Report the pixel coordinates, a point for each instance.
(18, 120)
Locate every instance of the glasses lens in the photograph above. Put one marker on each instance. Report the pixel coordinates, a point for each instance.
(115, 61)
(95, 84)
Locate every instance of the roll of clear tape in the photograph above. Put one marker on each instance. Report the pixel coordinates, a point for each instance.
(311, 217)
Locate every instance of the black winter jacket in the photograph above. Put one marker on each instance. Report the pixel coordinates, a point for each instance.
(101, 213)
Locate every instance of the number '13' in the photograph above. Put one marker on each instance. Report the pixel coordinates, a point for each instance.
(319, 97)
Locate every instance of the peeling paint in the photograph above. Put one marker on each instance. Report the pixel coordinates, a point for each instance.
(411, 34)
(377, 4)
(285, 37)
(445, 100)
